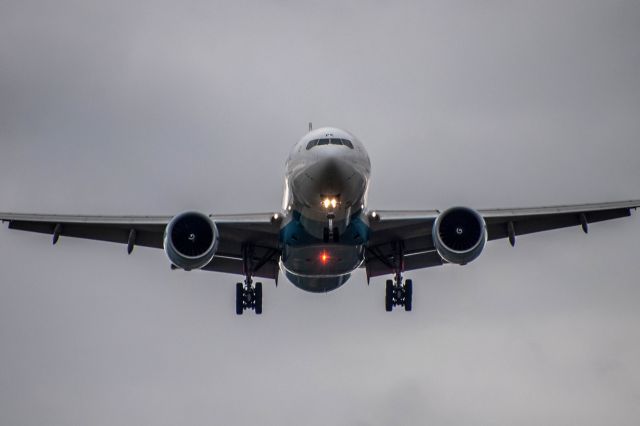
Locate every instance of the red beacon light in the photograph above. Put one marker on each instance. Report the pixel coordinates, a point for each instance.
(324, 257)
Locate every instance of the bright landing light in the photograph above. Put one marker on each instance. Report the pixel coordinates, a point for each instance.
(329, 202)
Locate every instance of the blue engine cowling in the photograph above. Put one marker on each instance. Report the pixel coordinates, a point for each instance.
(459, 235)
(191, 240)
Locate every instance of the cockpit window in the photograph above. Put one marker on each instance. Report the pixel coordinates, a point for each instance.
(332, 141)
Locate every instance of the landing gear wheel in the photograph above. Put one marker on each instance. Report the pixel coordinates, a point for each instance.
(398, 293)
(258, 298)
(408, 295)
(388, 300)
(239, 298)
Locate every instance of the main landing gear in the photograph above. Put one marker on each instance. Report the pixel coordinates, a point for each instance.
(398, 292)
(399, 295)
(248, 294)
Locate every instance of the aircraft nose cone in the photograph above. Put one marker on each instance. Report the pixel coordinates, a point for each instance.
(331, 174)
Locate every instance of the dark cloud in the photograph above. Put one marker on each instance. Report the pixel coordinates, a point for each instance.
(134, 107)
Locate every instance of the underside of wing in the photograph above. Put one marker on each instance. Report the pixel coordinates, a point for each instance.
(148, 229)
(402, 230)
(406, 236)
(509, 223)
(252, 235)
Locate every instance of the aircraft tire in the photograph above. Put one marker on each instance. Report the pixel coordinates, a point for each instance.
(408, 295)
(239, 299)
(258, 298)
(388, 299)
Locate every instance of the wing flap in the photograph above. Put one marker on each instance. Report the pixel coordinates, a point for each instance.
(234, 266)
(376, 266)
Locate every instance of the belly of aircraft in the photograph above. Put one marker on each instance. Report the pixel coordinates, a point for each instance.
(322, 260)
(317, 284)
(314, 265)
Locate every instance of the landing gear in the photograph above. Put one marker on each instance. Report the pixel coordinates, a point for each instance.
(330, 235)
(398, 292)
(398, 295)
(248, 296)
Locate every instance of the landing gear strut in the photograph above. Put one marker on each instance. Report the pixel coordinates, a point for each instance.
(248, 294)
(398, 292)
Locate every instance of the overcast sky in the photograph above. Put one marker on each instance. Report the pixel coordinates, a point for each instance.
(130, 107)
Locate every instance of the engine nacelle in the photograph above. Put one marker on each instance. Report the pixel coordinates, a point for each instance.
(191, 240)
(459, 235)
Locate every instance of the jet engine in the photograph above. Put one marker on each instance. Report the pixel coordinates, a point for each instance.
(190, 240)
(459, 235)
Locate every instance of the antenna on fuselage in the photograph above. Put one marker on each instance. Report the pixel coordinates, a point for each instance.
(310, 126)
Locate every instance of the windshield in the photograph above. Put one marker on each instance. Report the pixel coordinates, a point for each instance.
(327, 141)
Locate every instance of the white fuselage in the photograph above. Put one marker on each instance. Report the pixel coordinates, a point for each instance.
(326, 183)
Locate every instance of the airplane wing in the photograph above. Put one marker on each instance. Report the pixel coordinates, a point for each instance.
(413, 230)
(148, 231)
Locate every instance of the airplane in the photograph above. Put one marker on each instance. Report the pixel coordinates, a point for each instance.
(325, 230)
